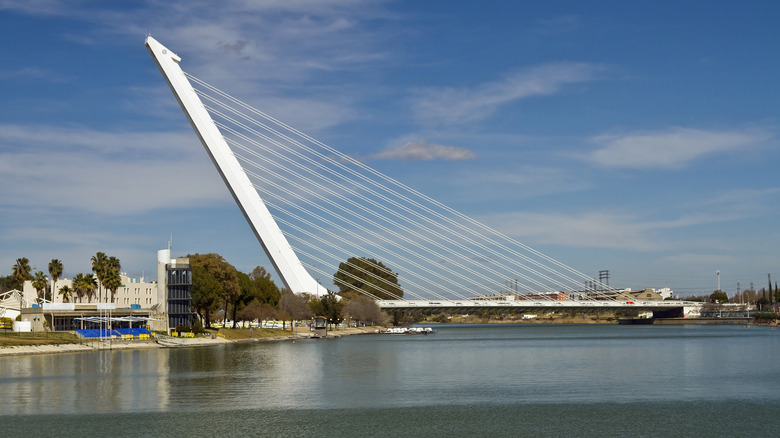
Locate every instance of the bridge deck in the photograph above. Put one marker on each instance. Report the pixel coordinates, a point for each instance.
(533, 305)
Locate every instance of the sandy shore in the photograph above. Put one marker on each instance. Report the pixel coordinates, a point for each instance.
(97, 345)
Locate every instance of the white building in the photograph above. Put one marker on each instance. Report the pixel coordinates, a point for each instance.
(167, 302)
(133, 291)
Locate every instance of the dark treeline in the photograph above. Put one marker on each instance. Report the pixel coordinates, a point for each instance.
(767, 298)
(219, 291)
(222, 293)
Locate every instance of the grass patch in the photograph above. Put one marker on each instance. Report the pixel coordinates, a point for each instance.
(13, 339)
(244, 333)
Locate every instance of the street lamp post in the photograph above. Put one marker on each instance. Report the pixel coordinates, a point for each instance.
(717, 274)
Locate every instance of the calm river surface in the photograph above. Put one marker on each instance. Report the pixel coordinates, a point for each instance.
(497, 380)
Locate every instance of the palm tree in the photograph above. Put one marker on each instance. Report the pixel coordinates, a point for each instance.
(55, 270)
(39, 283)
(78, 286)
(21, 272)
(84, 284)
(113, 282)
(99, 265)
(113, 263)
(90, 284)
(66, 293)
(113, 276)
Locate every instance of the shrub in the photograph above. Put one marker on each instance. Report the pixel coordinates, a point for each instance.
(765, 317)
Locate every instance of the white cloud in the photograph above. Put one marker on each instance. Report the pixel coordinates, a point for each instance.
(591, 229)
(693, 259)
(452, 105)
(614, 230)
(421, 150)
(103, 172)
(670, 149)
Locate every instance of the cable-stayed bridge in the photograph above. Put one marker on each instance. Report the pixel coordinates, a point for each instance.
(313, 208)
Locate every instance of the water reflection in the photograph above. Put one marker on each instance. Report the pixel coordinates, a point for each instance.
(96, 382)
(456, 367)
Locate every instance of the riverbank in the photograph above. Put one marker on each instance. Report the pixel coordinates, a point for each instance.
(547, 319)
(214, 337)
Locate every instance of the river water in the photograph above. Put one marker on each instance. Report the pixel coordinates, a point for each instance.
(465, 380)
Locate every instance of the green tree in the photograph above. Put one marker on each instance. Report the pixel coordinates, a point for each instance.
(114, 263)
(21, 272)
(55, 271)
(266, 289)
(367, 276)
(78, 287)
(39, 283)
(248, 293)
(67, 293)
(777, 293)
(719, 296)
(100, 267)
(84, 285)
(205, 293)
(225, 274)
(112, 281)
(328, 306)
(7, 283)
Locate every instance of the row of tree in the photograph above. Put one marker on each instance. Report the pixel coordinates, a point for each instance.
(764, 299)
(105, 275)
(220, 291)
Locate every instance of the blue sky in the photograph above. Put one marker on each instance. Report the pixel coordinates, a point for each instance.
(638, 138)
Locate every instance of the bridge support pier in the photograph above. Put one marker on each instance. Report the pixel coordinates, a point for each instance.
(674, 312)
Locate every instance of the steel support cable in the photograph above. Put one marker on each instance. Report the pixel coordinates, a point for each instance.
(511, 270)
(331, 234)
(350, 221)
(380, 249)
(411, 274)
(512, 273)
(420, 236)
(338, 194)
(368, 231)
(325, 274)
(372, 233)
(401, 185)
(354, 277)
(557, 273)
(342, 249)
(395, 213)
(473, 222)
(351, 160)
(361, 291)
(351, 233)
(336, 280)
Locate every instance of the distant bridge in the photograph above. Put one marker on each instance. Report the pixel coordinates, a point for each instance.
(536, 306)
(320, 207)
